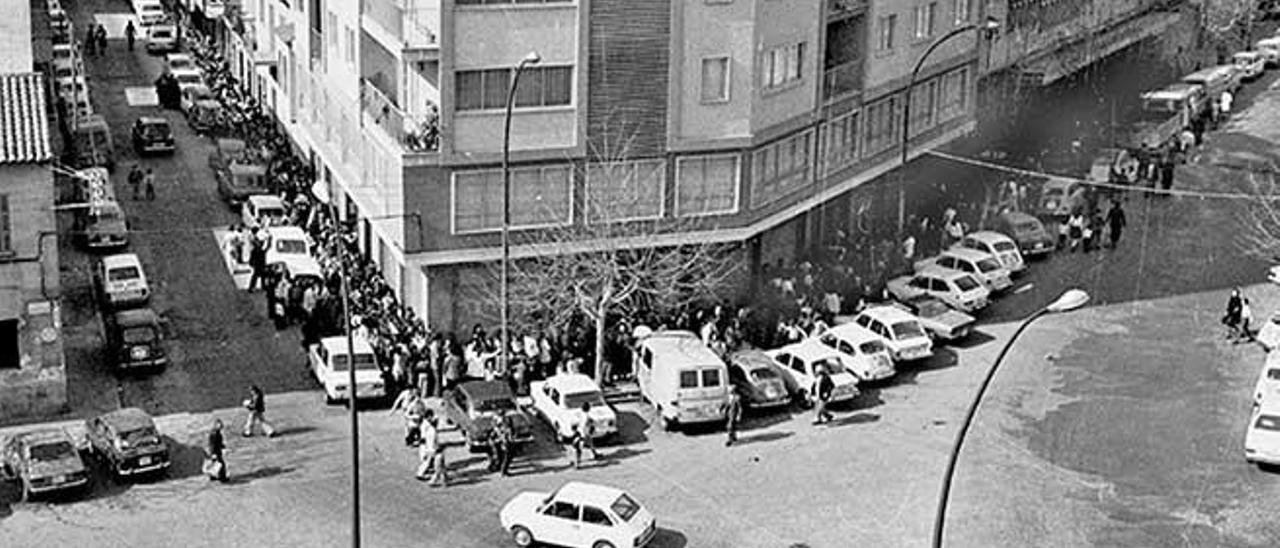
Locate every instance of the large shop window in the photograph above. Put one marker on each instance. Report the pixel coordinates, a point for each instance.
(539, 197)
(625, 191)
(539, 87)
(954, 99)
(840, 142)
(924, 101)
(884, 123)
(781, 168)
(707, 185)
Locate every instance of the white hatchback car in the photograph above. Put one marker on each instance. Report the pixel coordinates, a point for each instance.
(981, 265)
(997, 245)
(800, 361)
(289, 244)
(559, 400)
(188, 78)
(262, 210)
(958, 289)
(1268, 385)
(578, 515)
(1251, 63)
(902, 332)
(869, 357)
(1262, 440)
(122, 281)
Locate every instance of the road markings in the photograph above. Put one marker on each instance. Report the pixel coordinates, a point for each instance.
(141, 96)
(1023, 288)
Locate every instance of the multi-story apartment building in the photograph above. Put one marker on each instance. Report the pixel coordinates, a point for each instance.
(32, 374)
(741, 115)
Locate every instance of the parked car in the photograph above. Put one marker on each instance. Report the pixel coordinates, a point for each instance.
(942, 322)
(237, 182)
(44, 461)
(135, 339)
(1027, 231)
(263, 210)
(1270, 50)
(1251, 64)
(91, 143)
(1059, 197)
(149, 12)
(800, 361)
(578, 515)
(1268, 385)
(190, 97)
(981, 265)
(330, 359)
(475, 405)
(176, 61)
(958, 289)
(559, 400)
(903, 333)
(1216, 79)
(162, 37)
(188, 78)
(127, 440)
(121, 281)
(1262, 438)
(997, 245)
(755, 376)
(152, 134)
(684, 380)
(290, 245)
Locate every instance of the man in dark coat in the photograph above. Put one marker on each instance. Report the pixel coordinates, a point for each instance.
(823, 386)
(1116, 223)
(732, 412)
(214, 449)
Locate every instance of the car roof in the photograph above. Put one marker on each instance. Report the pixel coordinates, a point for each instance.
(966, 254)
(889, 313)
(939, 272)
(230, 144)
(1168, 93)
(153, 120)
(302, 266)
(41, 435)
(121, 259)
(572, 383)
(682, 343)
(486, 390)
(185, 70)
(137, 316)
(1247, 54)
(129, 418)
(989, 236)
(1269, 406)
(594, 494)
(751, 359)
(852, 332)
(1019, 217)
(809, 350)
(1208, 74)
(267, 200)
(338, 344)
(208, 103)
(286, 232)
(177, 55)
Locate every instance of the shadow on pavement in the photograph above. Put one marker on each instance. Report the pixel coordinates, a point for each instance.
(855, 418)
(258, 473)
(294, 431)
(631, 429)
(666, 538)
(975, 339)
(757, 419)
(764, 437)
(185, 460)
(609, 457)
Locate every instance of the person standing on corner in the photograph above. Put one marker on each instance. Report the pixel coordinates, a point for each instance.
(822, 388)
(410, 403)
(130, 34)
(1116, 222)
(135, 179)
(149, 185)
(256, 405)
(428, 445)
(732, 413)
(215, 465)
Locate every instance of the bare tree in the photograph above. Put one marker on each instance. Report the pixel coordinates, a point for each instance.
(1260, 225)
(610, 260)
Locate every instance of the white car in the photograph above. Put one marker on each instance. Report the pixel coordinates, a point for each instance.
(903, 333)
(162, 37)
(1268, 385)
(177, 61)
(330, 360)
(262, 210)
(1262, 440)
(288, 244)
(799, 361)
(1251, 63)
(122, 281)
(958, 289)
(997, 245)
(188, 78)
(149, 12)
(981, 265)
(1273, 274)
(559, 400)
(578, 515)
(192, 95)
(71, 87)
(869, 358)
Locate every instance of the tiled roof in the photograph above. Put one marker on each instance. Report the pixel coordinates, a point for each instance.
(24, 125)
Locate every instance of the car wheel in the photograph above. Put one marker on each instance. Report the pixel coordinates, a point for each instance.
(802, 399)
(602, 544)
(521, 536)
(329, 400)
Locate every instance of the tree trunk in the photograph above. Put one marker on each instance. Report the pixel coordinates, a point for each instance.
(600, 328)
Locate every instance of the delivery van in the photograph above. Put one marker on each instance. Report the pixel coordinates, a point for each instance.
(685, 381)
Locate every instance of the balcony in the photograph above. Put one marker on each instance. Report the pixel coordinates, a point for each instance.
(410, 27)
(842, 79)
(839, 9)
(416, 134)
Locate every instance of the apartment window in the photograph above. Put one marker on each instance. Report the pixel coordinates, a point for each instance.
(10, 358)
(884, 123)
(625, 191)
(924, 100)
(962, 10)
(781, 65)
(351, 45)
(332, 24)
(6, 226)
(539, 87)
(840, 142)
(953, 99)
(925, 16)
(886, 30)
(539, 198)
(780, 168)
(715, 80)
(707, 185)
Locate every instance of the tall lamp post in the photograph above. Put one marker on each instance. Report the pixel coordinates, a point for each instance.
(987, 26)
(531, 58)
(1071, 299)
(321, 192)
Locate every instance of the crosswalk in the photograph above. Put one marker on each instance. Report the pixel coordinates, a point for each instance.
(240, 272)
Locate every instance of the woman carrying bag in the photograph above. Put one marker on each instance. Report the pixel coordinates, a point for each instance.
(215, 465)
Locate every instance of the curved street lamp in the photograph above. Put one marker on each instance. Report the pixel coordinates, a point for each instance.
(1071, 299)
(531, 58)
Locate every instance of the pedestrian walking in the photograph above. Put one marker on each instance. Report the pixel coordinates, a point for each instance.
(257, 260)
(256, 405)
(589, 430)
(149, 185)
(1225, 101)
(732, 412)
(90, 43)
(1086, 240)
(500, 445)
(1231, 319)
(1166, 176)
(1075, 229)
(130, 33)
(411, 406)
(1116, 222)
(215, 464)
(429, 441)
(822, 388)
(101, 35)
(576, 442)
(1246, 316)
(135, 179)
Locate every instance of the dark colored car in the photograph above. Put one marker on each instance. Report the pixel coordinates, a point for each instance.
(942, 322)
(1027, 231)
(128, 442)
(45, 461)
(135, 339)
(152, 134)
(474, 406)
(102, 226)
(755, 376)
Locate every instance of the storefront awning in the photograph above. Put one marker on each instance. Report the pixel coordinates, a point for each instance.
(1054, 65)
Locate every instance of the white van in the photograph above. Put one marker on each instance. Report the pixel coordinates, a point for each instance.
(329, 361)
(684, 380)
(1270, 49)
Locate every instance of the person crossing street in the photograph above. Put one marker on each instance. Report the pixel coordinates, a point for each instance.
(732, 413)
(1115, 223)
(822, 388)
(130, 33)
(410, 403)
(256, 405)
(135, 179)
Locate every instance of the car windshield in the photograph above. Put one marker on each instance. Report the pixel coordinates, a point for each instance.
(51, 451)
(1005, 246)
(907, 330)
(930, 309)
(625, 507)
(763, 374)
(124, 273)
(291, 246)
(161, 33)
(1029, 226)
(1267, 422)
(141, 436)
(1273, 374)
(575, 401)
(179, 63)
(988, 265)
(966, 283)
(105, 214)
(155, 131)
(138, 335)
(364, 362)
(872, 347)
(496, 404)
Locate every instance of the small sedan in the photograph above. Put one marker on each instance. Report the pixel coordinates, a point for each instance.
(1059, 197)
(1027, 231)
(941, 321)
(1251, 64)
(475, 407)
(979, 264)
(45, 461)
(997, 245)
(560, 399)
(800, 362)
(177, 61)
(265, 210)
(1268, 385)
(152, 134)
(754, 375)
(1262, 440)
(127, 440)
(958, 289)
(578, 515)
(901, 332)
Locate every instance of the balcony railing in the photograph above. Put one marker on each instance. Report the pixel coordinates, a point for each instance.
(842, 79)
(416, 133)
(317, 47)
(414, 23)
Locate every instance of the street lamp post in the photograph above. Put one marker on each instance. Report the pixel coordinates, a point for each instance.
(321, 192)
(990, 25)
(1071, 299)
(531, 58)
